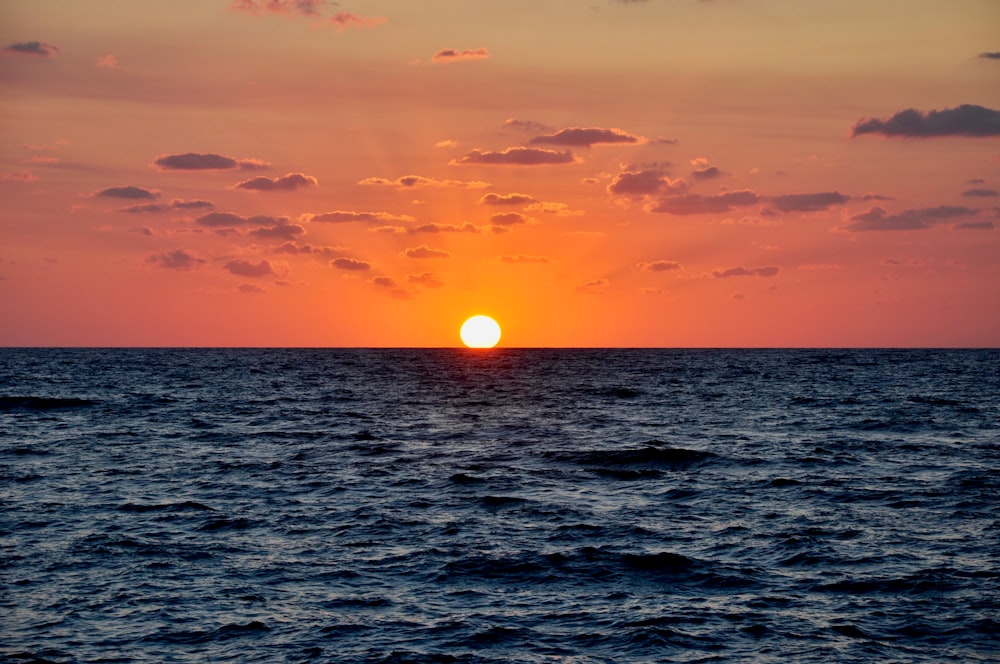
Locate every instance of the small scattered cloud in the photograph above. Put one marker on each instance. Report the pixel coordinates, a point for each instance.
(528, 126)
(453, 55)
(423, 251)
(877, 219)
(418, 181)
(808, 202)
(250, 289)
(975, 226)
(506, 199)
(229, 219)
(706, 173)
(209, 161)
(425, 279)
(173, 206)
(349, 20)
(990, 55)
(447, 143)
(310, 8)
(467, 227)
(384, 282)
(242, 268)
(650, 182)
(686, 204)
(350, 264)
(740, 271)
(508, 219)
(22, 177)
(282, 230)
(178, 259)
(518, 156)
(594, 287)
(289, 182)
(980, 193)
(107, 61)
(346, 216)
(965, 120)
(522, 259)
(307, 249)
(659, 266)
(32, 48)
(552, 208)
(130, 192)
(876, 197)
(586, 137)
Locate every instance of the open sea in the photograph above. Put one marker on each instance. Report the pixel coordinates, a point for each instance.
(511, 505)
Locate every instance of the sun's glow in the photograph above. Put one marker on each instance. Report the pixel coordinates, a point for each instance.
(480, 332)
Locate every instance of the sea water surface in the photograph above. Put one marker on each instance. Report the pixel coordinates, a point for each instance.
(513, 505)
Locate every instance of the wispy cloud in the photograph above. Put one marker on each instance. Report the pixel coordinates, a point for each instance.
(523, 259)
(289, 182)
(229, 219)
(107, 61)
(209, 161)
(32, 48)
(593, 287)
(877, 219)
(808, 202)
(740, 271)
(698, 204)
(347, 216)
(312, 8)
(425, 279)
(526, 125)
(990, 55)
(659, 266)
(980, 193)
(18, 177)
(586, 137)
(418, 181)
(965, 120)
(175, 205)
(348, 20)
(179, 259)
(453, 55)
(423, 251)
(517, 156)
(467, 227)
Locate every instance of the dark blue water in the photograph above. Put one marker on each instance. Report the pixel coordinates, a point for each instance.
(508, 505)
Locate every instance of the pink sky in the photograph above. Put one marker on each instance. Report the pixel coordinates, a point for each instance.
(588, 172)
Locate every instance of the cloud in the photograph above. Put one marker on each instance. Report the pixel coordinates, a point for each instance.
(289, 182)
(178, 259)
(467, 227)
(446, 143)
(980, 193)
(384, 282)
(350, 264)
(706, 173)
(877, 197)
(557, 209)
(35, 48)
(227, 219)
(698, 204)
(107, 61)
(195, 161)
(452, 55)
(517, 157)
(347, 20)
(659, 266)
(740, 271)
(522, 259)
(877, 219)
(288, 7)
(172, 206)
(343, 216)
(808, 202)
(506, 199)
(586, 137)
(526, 125)
(990, 55)
(242, 268)
(636, 184)
(283, 230)
(250, 289)
(130, 192)
(305, 249)
(17, 177)
(423, 251)
(418, 181)
(425, 279)
(975, 226)
(507, 218)
(965, 120)
(594, 287)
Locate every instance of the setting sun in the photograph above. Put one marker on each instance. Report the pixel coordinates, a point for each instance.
(480, 332)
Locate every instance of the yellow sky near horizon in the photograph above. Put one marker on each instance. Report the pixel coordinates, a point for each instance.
(590, 173)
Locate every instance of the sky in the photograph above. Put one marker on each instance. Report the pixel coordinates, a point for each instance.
(590, 173)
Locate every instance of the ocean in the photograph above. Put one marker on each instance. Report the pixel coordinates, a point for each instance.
(510, 505)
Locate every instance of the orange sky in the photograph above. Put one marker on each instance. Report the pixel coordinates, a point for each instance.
(588, 172)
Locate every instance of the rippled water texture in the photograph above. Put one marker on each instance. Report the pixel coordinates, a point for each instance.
(506, 505)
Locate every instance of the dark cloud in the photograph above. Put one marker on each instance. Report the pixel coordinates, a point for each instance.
(306, 249)
(384, 282)
(808, 202)
(517, 157)
(506, 199)
(507, 218)
(877, 219)
(990, 55)
(966, 120)
(419, 181)
(172, 206)
(130, 192)
(526, 125)
(283, 230)
(178, 259)
(425, 279)
(194, 161)
(522, 259)
(699, 204)
(452, 55)
(226, 219)
(350, 264)
(250, 289)
(423, 251)
(585, 137)
(659, 266)
(740, 271)
(35, 48)
(467, 227)
(980, 193)
(975, 226)
(347, 216)
(242, 268)
(636, 184)
(706, 173)
(289, 182)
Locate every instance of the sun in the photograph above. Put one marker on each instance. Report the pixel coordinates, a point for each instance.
(480, 332)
